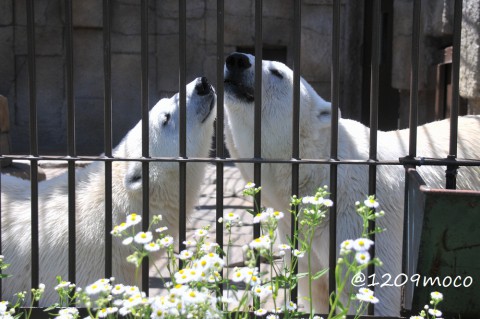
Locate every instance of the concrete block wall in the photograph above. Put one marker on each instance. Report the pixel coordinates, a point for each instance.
(436, 34)
(201, 57)
(163, 59)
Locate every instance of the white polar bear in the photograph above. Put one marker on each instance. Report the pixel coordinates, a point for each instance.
(90, 199)
(315, 130)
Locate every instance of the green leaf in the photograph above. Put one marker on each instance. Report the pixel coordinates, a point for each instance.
(320, 274)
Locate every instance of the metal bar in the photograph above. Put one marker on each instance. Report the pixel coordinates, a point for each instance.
(297, 31)
(70, 97)
(182, 55)
(257, 130)
(374, 97)
(451, 172)
(145, 133)
(35, 258)
(413, 122)
(335, 79)
(220, 152)
(403, 161)
(415, 57)
(107, 106)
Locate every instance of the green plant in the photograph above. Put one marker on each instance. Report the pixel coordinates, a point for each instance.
(199, 285)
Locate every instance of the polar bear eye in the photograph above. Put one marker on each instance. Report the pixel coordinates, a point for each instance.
(276, 73)
(166, 118)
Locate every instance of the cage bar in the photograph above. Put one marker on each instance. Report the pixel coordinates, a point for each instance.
(335, 89)
(107, 106)
(451, 172)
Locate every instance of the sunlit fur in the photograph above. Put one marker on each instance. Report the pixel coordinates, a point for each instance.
(315, 132)
(90, 199)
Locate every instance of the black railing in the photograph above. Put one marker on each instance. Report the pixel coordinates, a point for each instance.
(219, 160)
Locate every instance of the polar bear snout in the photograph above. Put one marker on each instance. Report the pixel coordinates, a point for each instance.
(237, 62)
(238, 77)
(203, 87)
(204, 92)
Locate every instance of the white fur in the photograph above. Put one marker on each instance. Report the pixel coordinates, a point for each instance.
(90, 199)
(315, 130)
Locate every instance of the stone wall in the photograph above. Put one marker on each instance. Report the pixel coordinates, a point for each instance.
(436, 34)
(201, 57)
(163, 59)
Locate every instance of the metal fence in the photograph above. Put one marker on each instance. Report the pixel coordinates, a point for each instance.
(219, 159)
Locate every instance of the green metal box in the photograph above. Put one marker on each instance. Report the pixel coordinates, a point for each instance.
(442, 248)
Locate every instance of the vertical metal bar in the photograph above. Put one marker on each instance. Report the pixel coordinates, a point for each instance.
(33, 143)
(145, 132)
(220, 118)
(107, 106)
(374, 97)
(335, 75)
(70, 97)
(413, 121)
(297, 31)
(182, 55)
(451, 173)
(257, 130)
(415, 57)
(257, 126)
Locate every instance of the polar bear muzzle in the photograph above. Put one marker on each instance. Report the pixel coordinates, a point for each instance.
(238, 77)
(205, 90)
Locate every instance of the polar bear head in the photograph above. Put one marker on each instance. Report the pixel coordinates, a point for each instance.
(164, 126)
(277, 106)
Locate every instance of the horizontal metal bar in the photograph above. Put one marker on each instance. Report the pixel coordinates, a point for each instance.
(402, 161)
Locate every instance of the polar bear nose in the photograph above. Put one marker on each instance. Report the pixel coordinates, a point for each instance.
(202, 87)
(237, 62)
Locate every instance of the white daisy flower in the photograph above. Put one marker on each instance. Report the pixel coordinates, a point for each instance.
(231, 217)
(143, 237)
(118, 289)
(436, 296)
(133, 219)
(260, 242)
(371, 202)
(291, 306)
(238, 275)
(260, 217)
(102, 313)
(367, 298)
(365, 291)
(201, 232)
(152, 246)
(260, 312)
(94, 288)
(284, 247)
(435, 312)
(362, 257)
(328, 202)
(347, 244)
(208, 247)
(277, 215)
(185, 254)
(166, 241)
(362, 244)
(62, 285)
(249, 185)
(298, 253)
(161, 229)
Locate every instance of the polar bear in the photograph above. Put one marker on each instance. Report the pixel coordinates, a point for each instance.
(315, 130)
(90, 199)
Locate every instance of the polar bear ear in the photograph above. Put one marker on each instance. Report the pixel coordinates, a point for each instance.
(133, 177)
(324, 112)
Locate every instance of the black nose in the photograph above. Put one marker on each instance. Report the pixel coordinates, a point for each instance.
(202, 86)
(237, 62)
